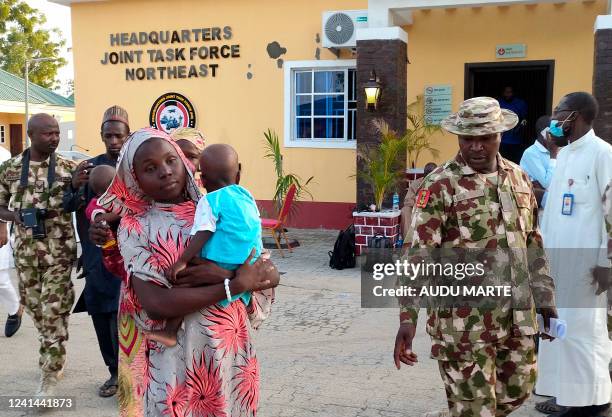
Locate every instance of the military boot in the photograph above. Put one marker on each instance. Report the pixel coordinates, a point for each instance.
(48, 382)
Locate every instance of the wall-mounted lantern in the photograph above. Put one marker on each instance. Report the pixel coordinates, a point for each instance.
(372, 91)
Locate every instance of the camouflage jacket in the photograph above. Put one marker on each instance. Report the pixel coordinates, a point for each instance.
(37, 194)
(458, 208)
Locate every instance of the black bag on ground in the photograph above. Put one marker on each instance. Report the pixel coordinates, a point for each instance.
(379, 251)
(343, 255)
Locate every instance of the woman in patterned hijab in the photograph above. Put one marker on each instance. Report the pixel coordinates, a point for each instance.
(213, 369)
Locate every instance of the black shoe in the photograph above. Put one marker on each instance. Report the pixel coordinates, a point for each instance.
(589, 411)
(13, 323)
(600, 410)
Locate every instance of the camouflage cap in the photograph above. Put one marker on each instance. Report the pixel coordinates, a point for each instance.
(480, 116)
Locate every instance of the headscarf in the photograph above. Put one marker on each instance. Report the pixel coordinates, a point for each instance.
(190, 134)
(124, 196)
(195, 137)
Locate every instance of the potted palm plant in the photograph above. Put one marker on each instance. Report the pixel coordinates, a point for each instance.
(381, 165)
(283, 180)
(418, 135)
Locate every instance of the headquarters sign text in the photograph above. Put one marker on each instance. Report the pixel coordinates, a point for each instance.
(172, 54)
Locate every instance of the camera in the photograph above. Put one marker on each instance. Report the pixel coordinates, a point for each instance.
(34, 219)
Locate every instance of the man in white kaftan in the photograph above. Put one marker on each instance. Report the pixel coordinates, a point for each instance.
(8, 295)
(575, 370)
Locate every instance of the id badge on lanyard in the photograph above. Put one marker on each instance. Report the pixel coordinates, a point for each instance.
(567, 206)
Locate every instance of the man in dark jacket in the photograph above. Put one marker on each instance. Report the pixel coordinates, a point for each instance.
(101, 294)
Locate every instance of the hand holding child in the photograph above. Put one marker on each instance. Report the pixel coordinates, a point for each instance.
(172, 273)
(258, 276)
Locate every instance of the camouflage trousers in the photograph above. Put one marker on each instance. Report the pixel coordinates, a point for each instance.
(47, 294)
(497, 380)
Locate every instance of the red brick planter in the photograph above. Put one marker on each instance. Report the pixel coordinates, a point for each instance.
(369, 224)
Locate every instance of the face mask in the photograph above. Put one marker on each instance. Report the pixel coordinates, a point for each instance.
(561, 131)
(549, 138)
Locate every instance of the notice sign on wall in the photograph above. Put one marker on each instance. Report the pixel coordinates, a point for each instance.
(438, 101)
(511, 50)
(171, 54)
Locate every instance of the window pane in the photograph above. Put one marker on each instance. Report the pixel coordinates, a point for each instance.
(303, 106)
(304, 128)
(351, 84)
(351, 124)
(303, 82)
(329, 105)
(329, 128)
(329, 81)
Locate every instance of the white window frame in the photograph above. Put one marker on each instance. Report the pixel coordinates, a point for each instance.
(2, 134)
(290, 68)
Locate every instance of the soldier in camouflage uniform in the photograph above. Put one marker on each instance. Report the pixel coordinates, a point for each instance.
(43, 264)
(480, 200)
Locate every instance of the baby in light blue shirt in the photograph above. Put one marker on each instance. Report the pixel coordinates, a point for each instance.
(226, 226)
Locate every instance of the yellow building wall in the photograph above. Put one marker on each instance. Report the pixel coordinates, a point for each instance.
(229, 108)
(441, 42)
(64, 115)
(233, 109)
(5, 120)
(17, 119)
(8, 119)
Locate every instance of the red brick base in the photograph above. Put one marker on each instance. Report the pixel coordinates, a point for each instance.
(368, 225)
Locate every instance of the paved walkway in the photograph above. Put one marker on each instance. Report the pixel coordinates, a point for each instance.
(320, 353)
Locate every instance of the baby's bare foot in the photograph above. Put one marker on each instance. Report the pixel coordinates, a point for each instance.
(164, 337)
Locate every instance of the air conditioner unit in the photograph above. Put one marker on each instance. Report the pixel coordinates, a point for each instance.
(340, 27)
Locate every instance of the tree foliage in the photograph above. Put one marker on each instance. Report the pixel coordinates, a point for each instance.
(22, 36)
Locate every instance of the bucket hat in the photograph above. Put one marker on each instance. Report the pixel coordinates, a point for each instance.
(480, 116)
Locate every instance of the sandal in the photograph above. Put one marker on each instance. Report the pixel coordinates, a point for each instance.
(109, 388)
(549, 406)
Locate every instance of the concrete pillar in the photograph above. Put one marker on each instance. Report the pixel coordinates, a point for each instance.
(602, 76)
(383, 50)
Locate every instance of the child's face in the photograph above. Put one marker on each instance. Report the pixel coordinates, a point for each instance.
(160, 171)
(100, 188)
(203, 170)
(100, 179)
(191, 153)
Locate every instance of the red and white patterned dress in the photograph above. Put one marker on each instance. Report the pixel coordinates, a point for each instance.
(213, 369)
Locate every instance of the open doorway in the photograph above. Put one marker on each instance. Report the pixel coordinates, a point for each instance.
(532, 81)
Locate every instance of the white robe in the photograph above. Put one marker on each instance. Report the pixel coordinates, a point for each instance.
(6, 252)
(575, 370)
(8, 295)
